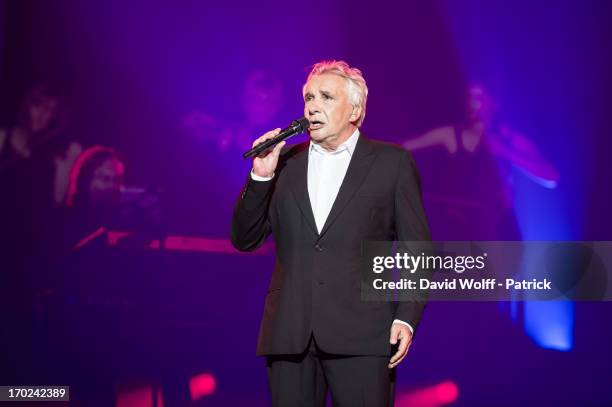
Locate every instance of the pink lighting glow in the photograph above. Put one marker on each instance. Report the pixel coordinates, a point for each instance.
(202, 385)
(434, 396)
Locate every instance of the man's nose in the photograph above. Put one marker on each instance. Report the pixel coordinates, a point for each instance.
(313, 108)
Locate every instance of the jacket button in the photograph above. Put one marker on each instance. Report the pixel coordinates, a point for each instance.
(318, 248)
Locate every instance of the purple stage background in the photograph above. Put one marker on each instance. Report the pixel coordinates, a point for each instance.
(180, 90)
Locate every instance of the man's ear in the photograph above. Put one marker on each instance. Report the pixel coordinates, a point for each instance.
(355, 114)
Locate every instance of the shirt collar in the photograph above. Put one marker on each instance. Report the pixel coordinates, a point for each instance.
(348, 146)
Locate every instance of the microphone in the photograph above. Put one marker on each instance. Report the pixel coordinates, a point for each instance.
(297, 127)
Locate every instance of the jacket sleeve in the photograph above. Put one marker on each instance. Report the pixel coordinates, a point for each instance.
(410, 225)
(250, 223)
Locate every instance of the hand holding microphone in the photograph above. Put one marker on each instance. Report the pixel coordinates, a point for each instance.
(266, 157)
(265, 163)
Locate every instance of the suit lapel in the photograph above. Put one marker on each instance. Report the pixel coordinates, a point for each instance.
(358, 168)
(299, 175)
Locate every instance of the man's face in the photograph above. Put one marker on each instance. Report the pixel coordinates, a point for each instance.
(327, 107)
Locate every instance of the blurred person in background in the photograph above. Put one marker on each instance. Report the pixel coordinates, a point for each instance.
(39, 141)
(94, 192)
(261, 101)
(98, 197)
(211, 147)
(468, 171)
(36, 154)
(484, 126)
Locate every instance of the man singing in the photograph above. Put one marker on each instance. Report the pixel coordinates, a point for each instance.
(321, 199)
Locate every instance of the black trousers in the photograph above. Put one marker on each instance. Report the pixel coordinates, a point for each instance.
(354, 381)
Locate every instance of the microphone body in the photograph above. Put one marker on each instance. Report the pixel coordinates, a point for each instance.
(297, 127)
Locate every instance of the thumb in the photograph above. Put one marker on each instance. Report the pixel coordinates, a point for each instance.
(278, 148)
(394, 335)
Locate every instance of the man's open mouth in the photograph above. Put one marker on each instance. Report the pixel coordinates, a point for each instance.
(315, 125)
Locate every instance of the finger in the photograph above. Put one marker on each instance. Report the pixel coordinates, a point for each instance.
(258, 141)
(274, 152)
(398, 361)
(266, 136)
(278, 148)
(395, 331)
(403, 346)
(270, 134)
(401, 353)
(395, 357)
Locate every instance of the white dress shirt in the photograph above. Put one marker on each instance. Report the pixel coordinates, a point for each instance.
(326, 171)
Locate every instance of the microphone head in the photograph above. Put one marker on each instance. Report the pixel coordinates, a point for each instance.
(301, 124)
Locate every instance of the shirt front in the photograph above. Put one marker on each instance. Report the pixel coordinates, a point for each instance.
(326, 171)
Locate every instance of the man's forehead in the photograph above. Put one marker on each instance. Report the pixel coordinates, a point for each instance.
(325, 82)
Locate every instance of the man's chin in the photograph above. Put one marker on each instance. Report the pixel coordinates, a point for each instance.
(317, 135)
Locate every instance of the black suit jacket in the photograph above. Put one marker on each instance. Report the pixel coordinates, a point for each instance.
(315, 286)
